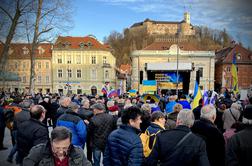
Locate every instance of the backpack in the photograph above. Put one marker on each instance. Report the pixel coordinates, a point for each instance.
(148, 141)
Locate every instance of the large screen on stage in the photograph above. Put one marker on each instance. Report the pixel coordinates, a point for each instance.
(168, 80)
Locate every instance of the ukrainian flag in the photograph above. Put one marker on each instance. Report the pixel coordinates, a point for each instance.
(234, 75)
(197, 95)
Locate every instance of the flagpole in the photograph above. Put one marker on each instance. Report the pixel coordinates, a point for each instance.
(177, 69)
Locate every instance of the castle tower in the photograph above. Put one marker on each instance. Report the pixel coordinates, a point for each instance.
(187, 17)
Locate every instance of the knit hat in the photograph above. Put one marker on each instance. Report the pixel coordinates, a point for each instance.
(247, 113)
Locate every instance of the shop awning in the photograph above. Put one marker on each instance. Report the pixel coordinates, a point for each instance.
(9, 76)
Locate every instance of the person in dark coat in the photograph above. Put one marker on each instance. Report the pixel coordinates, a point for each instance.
(2, 129)
(100, 126)
(124, 146)
(146, 117)
(19, 118)
(179, 146)
(172, 117)
(64, 103)
(58, 151)
(215, 143)
(86, 114)
(31, 132)
(196, 111)
(239, 146)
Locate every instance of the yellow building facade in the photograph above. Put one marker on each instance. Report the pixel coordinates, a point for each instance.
(81, 65)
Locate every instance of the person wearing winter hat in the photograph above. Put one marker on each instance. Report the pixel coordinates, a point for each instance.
(239, 146)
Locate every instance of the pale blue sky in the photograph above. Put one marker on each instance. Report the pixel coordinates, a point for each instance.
(100, 17)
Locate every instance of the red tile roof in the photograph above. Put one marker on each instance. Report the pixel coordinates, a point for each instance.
(225, 55)
(76, 43)
(17, 50)
(184, 45)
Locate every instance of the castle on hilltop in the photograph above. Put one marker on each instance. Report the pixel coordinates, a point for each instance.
(151, 27)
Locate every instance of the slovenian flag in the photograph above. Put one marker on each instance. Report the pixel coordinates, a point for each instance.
(104, 90)
(112, 93)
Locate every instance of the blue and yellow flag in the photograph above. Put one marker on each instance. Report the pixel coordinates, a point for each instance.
(234, 75)
(197, 95)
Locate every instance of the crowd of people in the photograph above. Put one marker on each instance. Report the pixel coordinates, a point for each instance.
(56, 130)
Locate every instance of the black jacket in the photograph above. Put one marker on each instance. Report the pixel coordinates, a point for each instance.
(215, 143)
(99, 128)
(41, 155)
(191, 152)
(30, 133)
(239, 148)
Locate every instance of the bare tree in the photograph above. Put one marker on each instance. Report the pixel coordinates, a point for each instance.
(19, 7)
(52, 17)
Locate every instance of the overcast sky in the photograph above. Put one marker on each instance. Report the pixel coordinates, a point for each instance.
(100, 17)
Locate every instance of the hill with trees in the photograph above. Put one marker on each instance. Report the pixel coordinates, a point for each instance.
(123, 43)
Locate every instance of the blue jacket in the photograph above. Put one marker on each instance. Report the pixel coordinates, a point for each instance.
(185, 104)
(169, 106)
(75, 124)
(124, 148)
(154, 128)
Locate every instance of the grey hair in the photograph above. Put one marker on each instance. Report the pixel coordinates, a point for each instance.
(63, 101)
(186, 117)
(84, 101)
(208, 111)
(247, 121)
(146, 107)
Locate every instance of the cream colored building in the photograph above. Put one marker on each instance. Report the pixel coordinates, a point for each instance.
(19, 64)
(160, 58)
(152, 27)
(81, 65)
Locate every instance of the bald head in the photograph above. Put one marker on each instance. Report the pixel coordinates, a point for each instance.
(38, 112)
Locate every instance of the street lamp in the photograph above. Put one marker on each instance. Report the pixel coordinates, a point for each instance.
(177, 70)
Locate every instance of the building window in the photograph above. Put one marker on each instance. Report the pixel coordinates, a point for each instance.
(60, 74)
(41, 50)
(228, 69)
(104, 60)
(47, 65)
(39, 79)
(59, 59)
(201, 71)
(47, 79)
(81, 45)
(78, 73)
(24, 65)
(24, 79)
(25, 51)
(16, 65)
(69, 73)
(106, 74)
(93, 74)
(69, 59)
(78, 59)
(93, 60)
(39, 65)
